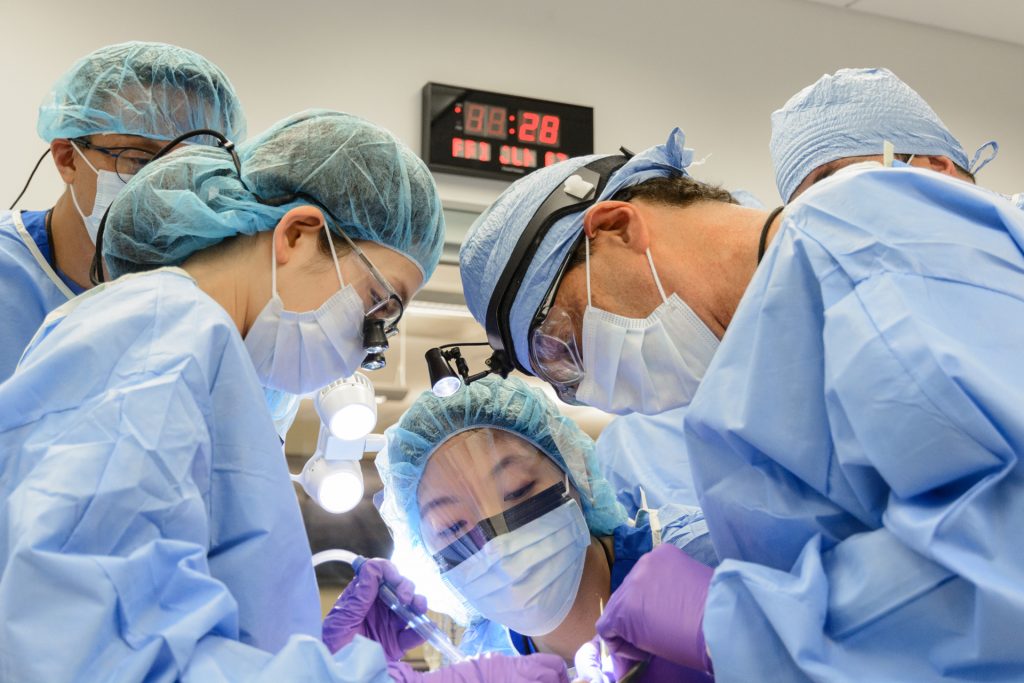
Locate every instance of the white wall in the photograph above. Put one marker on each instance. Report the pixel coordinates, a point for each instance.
(717, 69)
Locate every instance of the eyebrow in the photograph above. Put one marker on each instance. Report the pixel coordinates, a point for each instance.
(437, 503)
(503, 464)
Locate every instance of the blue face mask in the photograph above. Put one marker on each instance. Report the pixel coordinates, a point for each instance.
(108, 186)
(527, 579)
(283, 408)
(301, 352)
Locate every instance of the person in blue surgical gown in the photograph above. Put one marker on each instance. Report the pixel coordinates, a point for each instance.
(103, 120)
(496, 492)
(855, 437)
(150, 529)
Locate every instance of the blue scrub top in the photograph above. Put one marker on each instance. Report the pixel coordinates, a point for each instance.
(32, 288)
(856, 441)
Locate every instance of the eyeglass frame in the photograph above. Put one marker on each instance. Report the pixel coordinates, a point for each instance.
(115, 153)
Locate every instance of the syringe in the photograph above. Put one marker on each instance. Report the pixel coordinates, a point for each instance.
(420, 623)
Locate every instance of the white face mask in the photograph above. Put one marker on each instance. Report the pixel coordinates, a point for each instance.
(527, 579)
(643, 365)
(108, 186)
(303, 352)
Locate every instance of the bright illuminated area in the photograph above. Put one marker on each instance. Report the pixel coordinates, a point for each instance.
(447, 386)
(353, 422)
(341, 491)
(706, 314)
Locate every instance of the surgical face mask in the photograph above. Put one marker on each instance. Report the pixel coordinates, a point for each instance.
(527, 579)
(283, 408)
(108, 185)
(643, 365)
(300, 352)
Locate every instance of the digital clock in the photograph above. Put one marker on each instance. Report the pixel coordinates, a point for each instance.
(494, 135)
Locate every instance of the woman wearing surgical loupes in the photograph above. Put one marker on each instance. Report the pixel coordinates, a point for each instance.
(500, 497)
(150, 528)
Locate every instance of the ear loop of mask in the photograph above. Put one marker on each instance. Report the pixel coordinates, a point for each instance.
(273, 261)
(650, 260)
(74, 196)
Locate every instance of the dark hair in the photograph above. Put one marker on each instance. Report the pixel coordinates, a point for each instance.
(679, 191)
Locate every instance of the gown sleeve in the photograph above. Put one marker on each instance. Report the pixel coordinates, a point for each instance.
(923, 387)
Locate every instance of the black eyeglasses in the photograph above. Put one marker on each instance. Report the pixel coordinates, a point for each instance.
(127, 160)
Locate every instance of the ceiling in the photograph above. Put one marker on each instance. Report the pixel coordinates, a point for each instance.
(995, 19)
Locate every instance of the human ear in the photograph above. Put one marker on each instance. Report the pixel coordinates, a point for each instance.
(63, 155)
(622, 222)
(298, 230)
(943, 165)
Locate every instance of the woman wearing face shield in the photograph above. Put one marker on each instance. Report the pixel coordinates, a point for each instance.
(501, 495)
(150, 529)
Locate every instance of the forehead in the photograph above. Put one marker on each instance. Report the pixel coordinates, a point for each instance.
(477, 459)
(118, 140)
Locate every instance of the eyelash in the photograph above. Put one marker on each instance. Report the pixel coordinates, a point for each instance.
(519, 493)
(453, 530)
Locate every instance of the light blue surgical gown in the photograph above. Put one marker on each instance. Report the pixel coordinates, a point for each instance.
(647, 451)
(31, 288)
(148, 526)
(856, 441)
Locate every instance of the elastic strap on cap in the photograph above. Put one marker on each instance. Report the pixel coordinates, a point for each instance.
(975, 165)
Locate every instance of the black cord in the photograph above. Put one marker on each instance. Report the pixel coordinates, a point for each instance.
(49, 239)
(764, 232)
(29, 181)
(448, 346)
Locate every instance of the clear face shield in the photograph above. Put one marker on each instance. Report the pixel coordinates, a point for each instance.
(505, 528)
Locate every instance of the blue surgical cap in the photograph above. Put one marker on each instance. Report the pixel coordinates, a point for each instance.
(374, 185)
(851, 113)
(151, 90)
(489, 403)
(495, 233)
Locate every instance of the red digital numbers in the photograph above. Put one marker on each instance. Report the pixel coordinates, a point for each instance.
(539, 128)
(471, 149)
(485, 120)
(520, 157)
(554, 157)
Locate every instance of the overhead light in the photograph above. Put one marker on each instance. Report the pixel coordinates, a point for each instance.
(348, 407)
(443, 380)
(333, 477)
(336, 485)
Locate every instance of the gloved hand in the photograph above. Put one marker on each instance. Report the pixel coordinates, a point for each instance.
(590, 668)
(659, 610)
(539, 668)
(359, 612)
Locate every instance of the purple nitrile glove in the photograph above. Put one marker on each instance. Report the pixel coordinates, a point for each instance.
(589, 666)
(539, 668)
(359, 612)
(590, 669)
(659, 610)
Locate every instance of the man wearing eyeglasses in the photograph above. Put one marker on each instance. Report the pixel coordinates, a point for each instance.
(852, 376)
(104, 119)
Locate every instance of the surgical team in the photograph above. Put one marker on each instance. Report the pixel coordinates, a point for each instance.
(814, 476)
